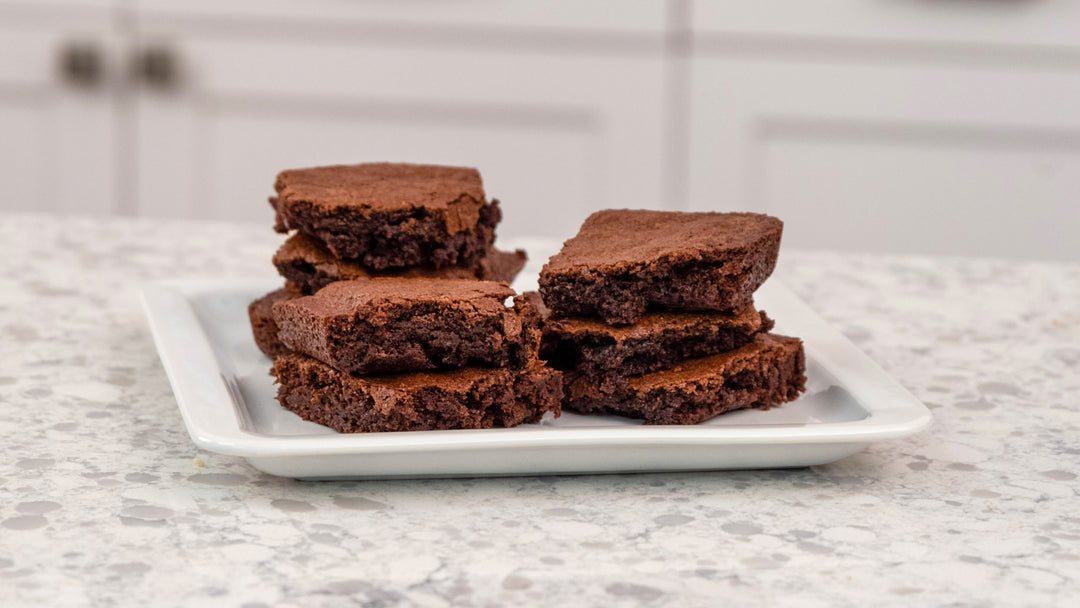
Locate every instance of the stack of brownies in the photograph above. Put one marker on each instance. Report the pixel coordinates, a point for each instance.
(393, 315)
(380, 219)
(650, 315)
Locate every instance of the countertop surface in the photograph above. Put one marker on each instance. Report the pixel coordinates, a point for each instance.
(105, 500)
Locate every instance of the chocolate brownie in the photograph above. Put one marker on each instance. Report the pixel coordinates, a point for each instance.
(658, 340)
(398, 324)
(386, 215)
(503, 266)
(768, 371)
(470, 398)
(309, 266)
(622, 262)
(263, 326)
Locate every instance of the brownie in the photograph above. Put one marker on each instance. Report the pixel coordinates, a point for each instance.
(309, 266)
(470, 398)
(622, 262)
(386, 215)
(263, 326)
(658, 340)
(401, 324)
(768, 371)
(503, 266)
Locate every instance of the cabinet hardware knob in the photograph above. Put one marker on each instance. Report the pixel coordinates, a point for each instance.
(157, 66)
(82, 64)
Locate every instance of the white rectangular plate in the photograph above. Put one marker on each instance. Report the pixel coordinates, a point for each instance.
(226, 397)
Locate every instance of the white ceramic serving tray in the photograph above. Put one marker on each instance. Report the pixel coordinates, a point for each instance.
(226, 397)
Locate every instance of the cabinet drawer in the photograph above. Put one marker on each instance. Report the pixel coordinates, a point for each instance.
(40, 5)
(586, 15)
(1038, 23)
(942, 160)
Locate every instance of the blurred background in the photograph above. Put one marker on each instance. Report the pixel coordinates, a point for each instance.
(921, 126)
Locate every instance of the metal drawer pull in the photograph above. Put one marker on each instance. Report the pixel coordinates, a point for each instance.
(82, 64)
(158, 67)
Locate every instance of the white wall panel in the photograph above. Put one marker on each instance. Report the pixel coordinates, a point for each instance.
(57, 141)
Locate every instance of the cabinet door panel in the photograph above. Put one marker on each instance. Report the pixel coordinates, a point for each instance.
(57, 145)
(554, 136)
(924, 194)
(593, 16)
(907, 159)
(22, 154)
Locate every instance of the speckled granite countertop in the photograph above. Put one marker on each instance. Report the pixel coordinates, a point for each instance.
(105, 500)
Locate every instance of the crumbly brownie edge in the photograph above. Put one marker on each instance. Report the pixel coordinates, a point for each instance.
(721, 282)
(394, 238)
(263, 327)
(351, 404)
(305, 276)
(280, 225)
(599, 356)
(502, 265)
(774, 376)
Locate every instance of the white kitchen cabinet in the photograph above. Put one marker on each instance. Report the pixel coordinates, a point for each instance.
(900, 125)
(555, 134)
(934, 158)
(884, 125)
(57, 149)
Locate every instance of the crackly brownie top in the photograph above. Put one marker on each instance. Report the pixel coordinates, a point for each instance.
(456, 191)
(620, 238)
(715, 366)
(349, 297)
(747, 319)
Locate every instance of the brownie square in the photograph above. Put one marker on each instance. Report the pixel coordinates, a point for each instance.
(470, 398)
(622, 262)
(309, 266)
(263, 327)
(657, 341)
(400, 324)
(768, 371)
(386, 215)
